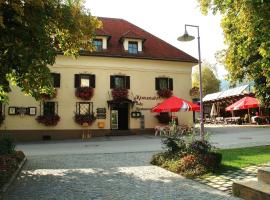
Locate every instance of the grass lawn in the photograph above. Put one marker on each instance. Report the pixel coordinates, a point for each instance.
(243, 157)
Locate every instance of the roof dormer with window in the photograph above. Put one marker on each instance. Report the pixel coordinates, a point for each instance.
(132, 42)
(100, 42)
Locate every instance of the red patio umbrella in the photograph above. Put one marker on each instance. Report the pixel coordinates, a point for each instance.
(244, 103)
(175, 104)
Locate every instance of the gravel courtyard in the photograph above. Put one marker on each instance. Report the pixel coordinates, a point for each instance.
(104, 176)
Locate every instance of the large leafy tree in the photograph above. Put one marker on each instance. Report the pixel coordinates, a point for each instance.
(32, 32)
(246, 26)
(210, 83)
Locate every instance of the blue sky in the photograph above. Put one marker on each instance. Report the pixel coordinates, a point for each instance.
(166, 19)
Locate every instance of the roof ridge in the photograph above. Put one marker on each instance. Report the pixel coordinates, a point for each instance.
(112, 18)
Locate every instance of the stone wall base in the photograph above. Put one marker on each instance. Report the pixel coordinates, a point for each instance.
(38, 135)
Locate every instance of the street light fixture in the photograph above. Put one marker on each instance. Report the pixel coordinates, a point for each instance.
(186, 38)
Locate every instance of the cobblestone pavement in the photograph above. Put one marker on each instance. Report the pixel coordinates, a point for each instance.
(104, 176)
(223, 182)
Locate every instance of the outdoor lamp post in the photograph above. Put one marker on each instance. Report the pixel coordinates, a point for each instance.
(186, 38)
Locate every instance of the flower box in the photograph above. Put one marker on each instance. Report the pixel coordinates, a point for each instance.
(85, 93)
(164, 93)
(82, 119)
(50, 120)
(120, 93)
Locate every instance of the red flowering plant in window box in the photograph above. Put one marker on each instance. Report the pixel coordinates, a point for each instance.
(164, 93)
(85, 118)
(48, 120)
(120, 93)
(85, 93)
(50, 95)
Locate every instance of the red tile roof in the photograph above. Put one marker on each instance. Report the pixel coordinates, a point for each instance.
(132, 35)
(153, 47)
(102, 32)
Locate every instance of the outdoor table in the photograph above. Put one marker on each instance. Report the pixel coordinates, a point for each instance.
(231, 120)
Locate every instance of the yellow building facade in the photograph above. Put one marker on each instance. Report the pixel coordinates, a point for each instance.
(111, 116)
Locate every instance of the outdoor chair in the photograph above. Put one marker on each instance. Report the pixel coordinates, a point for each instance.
(219, 120)
(161, 130)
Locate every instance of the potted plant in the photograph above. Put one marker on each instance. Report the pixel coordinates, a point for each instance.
(164, 93)
(48, 120)
(120, 93)
(86, 118)
(85, 93)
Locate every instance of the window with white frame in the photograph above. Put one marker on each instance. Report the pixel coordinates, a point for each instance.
(84, 108)
(98, 44)
(133, 47)
(164, 83)
(84, 80)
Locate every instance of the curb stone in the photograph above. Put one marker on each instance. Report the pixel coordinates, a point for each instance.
(11, 180)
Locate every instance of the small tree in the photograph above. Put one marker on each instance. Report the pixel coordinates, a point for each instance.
(246, 28)
(32, 32)
(210, 82)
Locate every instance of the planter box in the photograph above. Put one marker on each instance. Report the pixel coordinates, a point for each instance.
(6, 186)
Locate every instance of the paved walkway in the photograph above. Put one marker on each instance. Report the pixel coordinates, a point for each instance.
(221, 137)
(223, 182)
(104, 176)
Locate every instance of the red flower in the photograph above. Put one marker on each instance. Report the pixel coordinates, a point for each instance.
(165, 93)
(50, 120)
(88, 118)
(85, 93)
(120, 93)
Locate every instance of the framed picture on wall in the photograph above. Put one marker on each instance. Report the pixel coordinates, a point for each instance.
(12, 110)
(32, 110)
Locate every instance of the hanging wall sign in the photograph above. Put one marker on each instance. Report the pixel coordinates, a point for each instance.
(101, 113)
(32, 110)
(22, 111)
(12, 110)
(136, 114)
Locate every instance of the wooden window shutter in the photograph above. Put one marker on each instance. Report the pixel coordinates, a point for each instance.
(127, 82)
(112, 85)
(93, 80)
(56, 80)
(77, 80)
(170, 83)
(157, 84)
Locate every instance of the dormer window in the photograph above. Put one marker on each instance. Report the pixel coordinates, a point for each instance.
(132, 42)
(98, 44)
(133, 47)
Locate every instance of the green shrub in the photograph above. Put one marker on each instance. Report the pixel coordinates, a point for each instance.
(191, 166)
(19, 155)
(174, 145)
(259, 120)
(199, 147)
(7, 145)
(172, 165)
(158, 159)
(212, 160)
